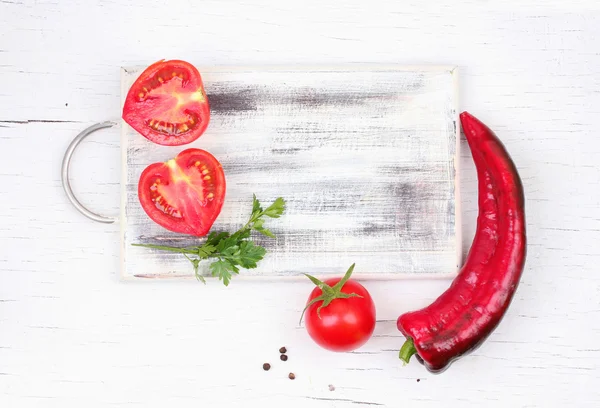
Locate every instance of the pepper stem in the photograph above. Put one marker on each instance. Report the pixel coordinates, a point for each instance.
(407, 351)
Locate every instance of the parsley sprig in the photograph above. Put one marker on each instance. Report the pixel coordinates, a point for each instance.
(231, 251)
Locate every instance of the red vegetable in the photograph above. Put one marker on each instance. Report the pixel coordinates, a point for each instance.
(340, 313)
(460, 320)
(167, 103)
(184, 194)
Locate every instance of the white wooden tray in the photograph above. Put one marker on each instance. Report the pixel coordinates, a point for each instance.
(366, 158)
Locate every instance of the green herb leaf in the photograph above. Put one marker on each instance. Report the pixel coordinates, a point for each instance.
(266, 232)
(222, 270)
(256, 208)
(276, 209)
(242, 234)
(258, 224)
(206, 250)
(233, 255)
(215, 237)
(251, 254)
(226, 243)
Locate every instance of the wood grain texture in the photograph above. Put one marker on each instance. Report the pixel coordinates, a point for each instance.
(72, 334)
(365, 158)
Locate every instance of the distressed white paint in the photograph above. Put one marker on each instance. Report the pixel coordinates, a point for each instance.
(71, 334)
(364, 157)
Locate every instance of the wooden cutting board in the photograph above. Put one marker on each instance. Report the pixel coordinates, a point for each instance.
(366, 158)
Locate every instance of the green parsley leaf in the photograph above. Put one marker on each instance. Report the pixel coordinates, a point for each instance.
(233, 255)
(227, 242)
(206, 250)
(266, 232)
(276, 209)
(215, 237)
(222, 270)
(256, 208)
(250, 254)
(242, 234)
(258, 224)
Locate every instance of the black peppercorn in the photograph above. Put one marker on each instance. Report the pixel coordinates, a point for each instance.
(266, 366)
(282, 350)
(283, 357)
(292, 376)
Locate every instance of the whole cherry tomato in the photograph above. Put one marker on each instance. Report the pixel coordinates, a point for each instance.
(340, 313)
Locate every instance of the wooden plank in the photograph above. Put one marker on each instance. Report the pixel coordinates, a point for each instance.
(366, 159)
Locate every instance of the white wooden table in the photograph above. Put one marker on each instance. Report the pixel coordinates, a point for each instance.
(71, 334)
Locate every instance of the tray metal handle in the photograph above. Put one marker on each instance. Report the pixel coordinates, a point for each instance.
(65, 174)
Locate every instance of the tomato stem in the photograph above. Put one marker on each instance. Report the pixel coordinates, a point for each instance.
(407, 351)
(329, 293)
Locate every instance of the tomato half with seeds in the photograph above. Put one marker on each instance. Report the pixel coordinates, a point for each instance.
(184, 194)
(167, 104)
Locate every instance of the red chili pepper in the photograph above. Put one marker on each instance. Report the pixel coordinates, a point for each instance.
(460, 319)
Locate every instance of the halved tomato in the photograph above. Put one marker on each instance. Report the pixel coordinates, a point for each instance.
(184, 194)
(167, 103)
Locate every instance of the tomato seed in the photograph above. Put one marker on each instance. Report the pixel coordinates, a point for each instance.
(266, 366)
(282, 350)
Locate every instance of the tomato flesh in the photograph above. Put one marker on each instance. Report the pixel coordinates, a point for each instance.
(167, 103)
(345, 324)
(184, 194)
